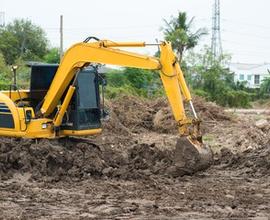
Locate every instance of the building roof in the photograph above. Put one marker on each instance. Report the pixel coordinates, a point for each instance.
(250, 68)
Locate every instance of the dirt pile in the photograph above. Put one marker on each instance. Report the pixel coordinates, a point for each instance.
(241, 134)
(251, 138)
(136, 115)
(210, 111)
(118, 154)
(252, 162)
(60, 159)
(130, 115)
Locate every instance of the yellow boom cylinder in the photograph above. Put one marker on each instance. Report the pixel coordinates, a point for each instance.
(107, 43)
(59, 117)
(170, 81)
(182, 82)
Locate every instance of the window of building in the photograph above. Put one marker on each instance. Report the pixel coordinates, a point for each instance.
(241, 77)
(249, 77)
(256, 79)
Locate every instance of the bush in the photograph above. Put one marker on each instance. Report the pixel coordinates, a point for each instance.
(4, 85)
(238, 99)
(202, 93)
(52, 56)
(227, 97)
(114, 92)
(116, 78)
(132, 81)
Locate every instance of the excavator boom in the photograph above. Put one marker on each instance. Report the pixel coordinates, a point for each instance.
(105, 52)
(46, 118)
(82, 54)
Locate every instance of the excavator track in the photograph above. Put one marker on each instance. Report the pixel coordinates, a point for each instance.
(77, 140)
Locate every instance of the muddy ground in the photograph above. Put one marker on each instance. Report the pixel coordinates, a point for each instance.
(128, 172)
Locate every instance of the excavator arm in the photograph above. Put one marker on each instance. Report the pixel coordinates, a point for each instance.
(82, 54)
(22, 121)
(106, 52)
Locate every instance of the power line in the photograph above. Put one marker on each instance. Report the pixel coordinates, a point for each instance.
(248, 55)
(100, 28)
(246, 24)
(256, 53)
(246, 44)
(247, 34)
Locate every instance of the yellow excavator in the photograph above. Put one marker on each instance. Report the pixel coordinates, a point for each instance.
(64, 100)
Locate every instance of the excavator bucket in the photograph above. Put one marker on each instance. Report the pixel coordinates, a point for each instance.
(191, 156)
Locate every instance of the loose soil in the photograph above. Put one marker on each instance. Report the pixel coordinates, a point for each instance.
(128, 171)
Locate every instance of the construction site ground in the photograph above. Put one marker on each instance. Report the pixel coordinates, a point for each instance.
(127, 172)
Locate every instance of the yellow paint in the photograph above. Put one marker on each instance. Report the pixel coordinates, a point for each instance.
(80, 132)
(104, 52)
(182, 82)
(59, 116)
(15, 113)
(80, 54)
(107, 43)
(170, 82)
(22, 111)
(15, 96)
(35, 129)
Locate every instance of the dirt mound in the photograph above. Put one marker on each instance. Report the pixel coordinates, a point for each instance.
(58, 159)
(129, 114)
(48, 158)
(210, 111)
(253, 162)
(117, 154)
(207, 111)
(136, 115)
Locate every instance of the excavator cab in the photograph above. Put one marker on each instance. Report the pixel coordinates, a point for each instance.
(84, 110)
(41, 76)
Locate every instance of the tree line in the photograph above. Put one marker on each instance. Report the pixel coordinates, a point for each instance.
(22, 41)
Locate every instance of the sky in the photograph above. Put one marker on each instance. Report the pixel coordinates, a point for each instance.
(245, 24)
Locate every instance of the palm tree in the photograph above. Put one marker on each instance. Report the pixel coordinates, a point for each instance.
(178, 32)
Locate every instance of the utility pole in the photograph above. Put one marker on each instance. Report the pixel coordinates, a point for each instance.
(61, 37)
(216, 46)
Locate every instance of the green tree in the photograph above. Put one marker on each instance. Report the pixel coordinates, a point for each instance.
(5, 74)
(5, 71)
(133, 81)
(214, 81)
(116, 78)
(139, 78)
(23, 73)
(178, 30)
(265, 88)
(22, 39)
(53, 56)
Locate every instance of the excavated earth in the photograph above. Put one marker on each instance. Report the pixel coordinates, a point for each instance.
(128, 171)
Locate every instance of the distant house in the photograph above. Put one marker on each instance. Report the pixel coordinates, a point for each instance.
(252, 74)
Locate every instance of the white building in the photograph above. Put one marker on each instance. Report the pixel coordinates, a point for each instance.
(252, 74)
